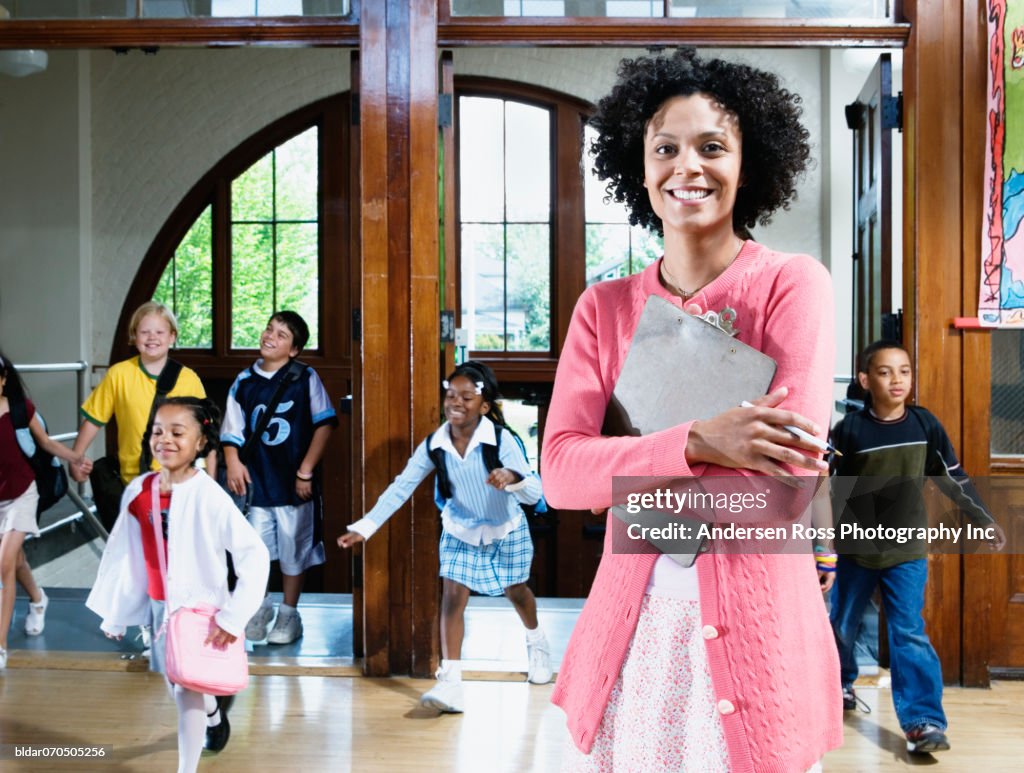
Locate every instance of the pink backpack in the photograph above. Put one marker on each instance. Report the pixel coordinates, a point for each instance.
(191, 662)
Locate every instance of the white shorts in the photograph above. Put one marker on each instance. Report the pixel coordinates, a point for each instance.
(19, 514)
(287, 531)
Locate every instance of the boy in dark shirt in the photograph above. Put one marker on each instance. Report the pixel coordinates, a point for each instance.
(281, 470)
(890, 440)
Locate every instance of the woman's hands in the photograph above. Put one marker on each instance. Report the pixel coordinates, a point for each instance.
(754, 438)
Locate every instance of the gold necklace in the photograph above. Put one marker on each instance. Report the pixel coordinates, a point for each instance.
(687, 294)
(674, 286)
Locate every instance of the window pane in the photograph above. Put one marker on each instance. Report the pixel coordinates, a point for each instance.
(1007, 392)
(252, 192)
(527, 163)
(607, 251)
(186, 286)
(481, 160)
(298, 275)
(528, 322)
(252, 283)
(483, 285)
(523, 419)
(794, 9)
(644, 248)
(296, 169)
(597, 211)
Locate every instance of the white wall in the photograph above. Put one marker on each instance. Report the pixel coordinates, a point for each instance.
(41, 267)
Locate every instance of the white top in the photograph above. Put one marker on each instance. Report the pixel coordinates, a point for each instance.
(203, 523)
(670, 580)
(477, 513)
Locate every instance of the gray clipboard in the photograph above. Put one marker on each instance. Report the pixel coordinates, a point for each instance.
(681, 368)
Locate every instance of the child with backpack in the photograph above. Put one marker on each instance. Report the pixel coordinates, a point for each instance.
(485, 539)
(19, 500)
(891, 439)
(276, 427)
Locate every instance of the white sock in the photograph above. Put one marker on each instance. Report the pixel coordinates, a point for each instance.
(286, 610)
(451, 670)
(210, 707)
(534, 635)
(191, 728)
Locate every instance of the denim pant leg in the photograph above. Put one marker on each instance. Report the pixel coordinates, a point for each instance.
(850, 596)
(916, 671)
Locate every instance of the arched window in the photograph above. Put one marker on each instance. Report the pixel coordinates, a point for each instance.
(252, 237)
(532, 232)
(532, 218)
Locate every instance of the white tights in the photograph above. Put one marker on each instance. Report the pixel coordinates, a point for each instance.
(193, 709)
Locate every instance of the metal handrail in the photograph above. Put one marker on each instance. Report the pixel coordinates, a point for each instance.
(85, 510)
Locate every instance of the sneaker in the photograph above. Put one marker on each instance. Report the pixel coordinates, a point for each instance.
(287, 628)
(256, 628)
(851, 701)
(35, 620)
(445, 696)
(217, 736)
(926, 738)
(539, 654)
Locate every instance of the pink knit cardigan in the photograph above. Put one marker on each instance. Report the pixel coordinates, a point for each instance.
(769, 644)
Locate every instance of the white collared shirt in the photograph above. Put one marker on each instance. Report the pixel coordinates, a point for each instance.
(477, 513)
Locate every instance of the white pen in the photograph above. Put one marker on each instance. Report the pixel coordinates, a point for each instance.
(799, 433)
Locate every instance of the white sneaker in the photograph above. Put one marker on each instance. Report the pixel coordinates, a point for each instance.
(256, 628)
(287, 628)
(445, 696)
(539, 654)
(35, 620)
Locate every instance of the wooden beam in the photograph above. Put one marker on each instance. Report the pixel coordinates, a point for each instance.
(424, 334)
(373, 413)
(149, 33)
(746, 33)
(932, 264)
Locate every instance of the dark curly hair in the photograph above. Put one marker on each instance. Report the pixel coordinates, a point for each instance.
(203, 410)
(775, 144)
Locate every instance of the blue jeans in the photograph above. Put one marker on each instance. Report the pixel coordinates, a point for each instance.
(915, 668)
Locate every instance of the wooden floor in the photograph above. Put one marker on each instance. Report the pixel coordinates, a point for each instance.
(316, 723)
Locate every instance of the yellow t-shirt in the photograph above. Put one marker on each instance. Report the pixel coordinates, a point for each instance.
(126, 392)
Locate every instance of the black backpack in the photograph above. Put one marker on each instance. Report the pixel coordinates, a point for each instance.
(492, 461)
(51, 478)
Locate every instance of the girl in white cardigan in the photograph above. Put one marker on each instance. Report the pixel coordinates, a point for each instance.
(200, 524)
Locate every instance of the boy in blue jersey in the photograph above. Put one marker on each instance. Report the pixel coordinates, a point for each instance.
(280, 466)
(891, 440)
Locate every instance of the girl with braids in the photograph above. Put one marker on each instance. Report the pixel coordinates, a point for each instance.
(201, 524)
(706, 667)
(485, 539)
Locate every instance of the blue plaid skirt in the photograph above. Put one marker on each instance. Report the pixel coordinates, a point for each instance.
(490, 568)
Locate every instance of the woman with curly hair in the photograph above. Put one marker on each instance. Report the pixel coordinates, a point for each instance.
(700, 668)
